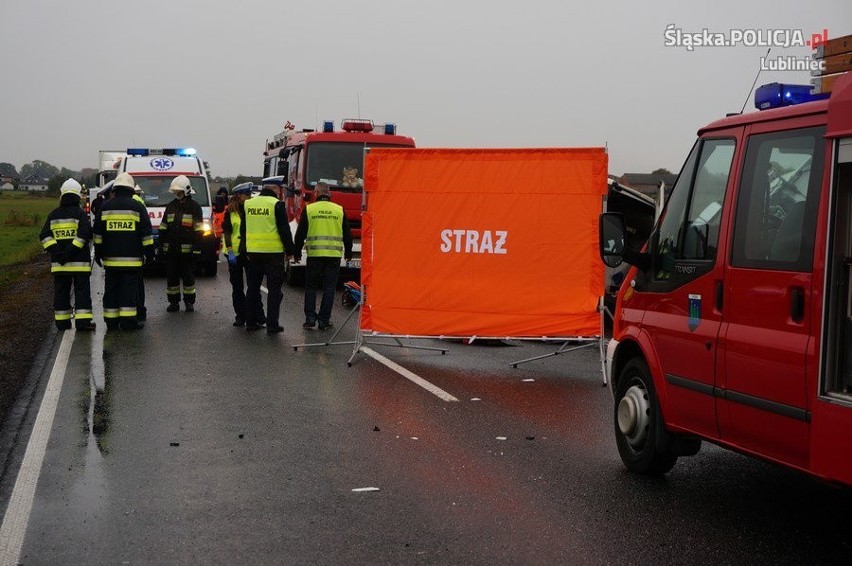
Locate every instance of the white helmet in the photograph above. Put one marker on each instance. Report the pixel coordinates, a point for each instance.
(124, 180)
(138, 190)
(180, 186)
(71, 186)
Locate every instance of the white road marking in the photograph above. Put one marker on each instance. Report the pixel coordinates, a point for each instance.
(21, 503)
(357, 489)
(264, 289)
(434, 389)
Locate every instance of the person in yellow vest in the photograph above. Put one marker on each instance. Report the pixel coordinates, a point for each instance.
(65, 236)
(269, 245)
(234, 242)
(325, 233)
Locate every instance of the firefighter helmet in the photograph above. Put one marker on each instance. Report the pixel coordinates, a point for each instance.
(124, 180)
(180, 186)
(71, 186)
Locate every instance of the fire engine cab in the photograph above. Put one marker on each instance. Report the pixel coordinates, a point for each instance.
(734, 323)
(153, 170)
(299, 160)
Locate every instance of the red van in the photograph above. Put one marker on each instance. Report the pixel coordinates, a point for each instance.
(734, 323)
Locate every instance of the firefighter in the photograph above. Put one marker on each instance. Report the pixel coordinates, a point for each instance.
(180, 243)
(141, 310)
(65, 236)
(123, 242)
(325, 233)
(269, 246)
(233, 232)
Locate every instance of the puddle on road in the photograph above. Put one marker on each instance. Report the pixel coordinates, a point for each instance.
(98, 409)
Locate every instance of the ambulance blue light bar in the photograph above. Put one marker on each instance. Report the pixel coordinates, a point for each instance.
(179, 151)
(778, 95)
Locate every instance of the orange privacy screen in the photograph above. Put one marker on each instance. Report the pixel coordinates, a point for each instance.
(496, 242)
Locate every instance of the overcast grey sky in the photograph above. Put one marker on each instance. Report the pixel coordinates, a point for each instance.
(84, 75)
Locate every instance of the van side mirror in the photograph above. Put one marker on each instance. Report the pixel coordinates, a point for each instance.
(613, 247)
(611, 238)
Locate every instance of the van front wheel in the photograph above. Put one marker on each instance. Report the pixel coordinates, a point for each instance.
(639, 431)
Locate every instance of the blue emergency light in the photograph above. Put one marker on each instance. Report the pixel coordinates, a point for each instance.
(390, 129)
(328, 126)
(778, 95)
(179, 151)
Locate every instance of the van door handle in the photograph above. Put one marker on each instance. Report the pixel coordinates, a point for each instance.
(797, 304)
(720, 295)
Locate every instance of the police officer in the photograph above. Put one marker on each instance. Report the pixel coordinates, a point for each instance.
(269, 246)
(234, 242)
(123, 242)
(65, 236)
(180, 241)
(324, 231)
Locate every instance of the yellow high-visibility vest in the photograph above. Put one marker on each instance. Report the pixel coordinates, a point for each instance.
(236, 221)
(261, 230)
(325, 229)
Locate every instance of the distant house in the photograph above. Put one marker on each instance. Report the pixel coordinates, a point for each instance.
(6, 186)
(34, 184)
(8, 180)
(648, 183)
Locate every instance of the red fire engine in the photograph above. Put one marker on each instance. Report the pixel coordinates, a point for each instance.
(734, 324)
(301, 159)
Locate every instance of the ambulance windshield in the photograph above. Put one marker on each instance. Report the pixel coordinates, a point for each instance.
(340, 164)
(155, 189)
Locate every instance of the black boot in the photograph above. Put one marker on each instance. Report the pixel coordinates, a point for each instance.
(132, 324)
(86, 325)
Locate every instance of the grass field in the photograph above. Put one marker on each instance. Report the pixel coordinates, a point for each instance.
(19, 243)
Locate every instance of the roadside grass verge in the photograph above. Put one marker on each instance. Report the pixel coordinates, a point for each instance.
(21, 219)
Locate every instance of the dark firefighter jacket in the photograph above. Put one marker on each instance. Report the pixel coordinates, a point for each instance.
(182, 227)
(66, 235)
(123, 231)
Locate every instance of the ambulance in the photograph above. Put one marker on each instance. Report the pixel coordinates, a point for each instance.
(153, 170)
(734, 323)
(298, 160)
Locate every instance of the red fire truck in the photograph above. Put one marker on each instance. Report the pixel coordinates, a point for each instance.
(734, 323)
(299, 159)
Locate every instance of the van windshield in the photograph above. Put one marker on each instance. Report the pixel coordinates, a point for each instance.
(340, 164)
(155, 189)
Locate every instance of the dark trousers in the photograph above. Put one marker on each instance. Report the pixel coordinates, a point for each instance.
(180, 268)
(121, 288)
(141, 311)
(270, 266)
(62, 285)
(321, 273)
(237, 274)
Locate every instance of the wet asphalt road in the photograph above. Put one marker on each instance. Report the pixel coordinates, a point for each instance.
(196, 442)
